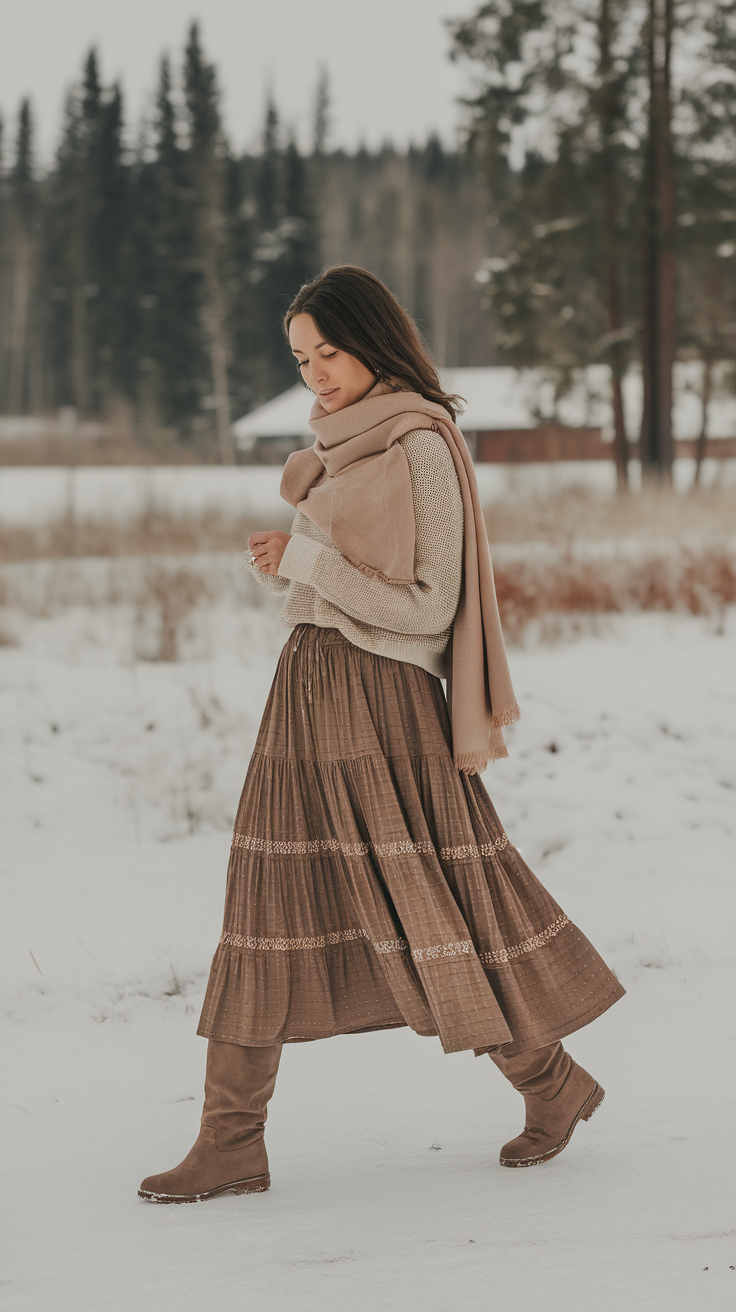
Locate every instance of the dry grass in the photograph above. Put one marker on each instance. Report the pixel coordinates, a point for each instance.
(548, 594)
(571, 517)
(661, 553)
(575, 516)
(71, 452)
(159, 601)
(580, 516)
(169, 596)
(152, 533)
(691, 582)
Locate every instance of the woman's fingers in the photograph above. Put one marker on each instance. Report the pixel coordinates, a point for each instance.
(259, 545)
(258, 539)
(266, 550)
(262, 556)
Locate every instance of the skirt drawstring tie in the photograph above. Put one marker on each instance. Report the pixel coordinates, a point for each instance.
(312, 650)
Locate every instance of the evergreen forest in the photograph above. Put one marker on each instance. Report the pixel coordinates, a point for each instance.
(148, 284)
(588, 215)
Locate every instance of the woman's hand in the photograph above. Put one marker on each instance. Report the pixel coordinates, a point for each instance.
(266, 550)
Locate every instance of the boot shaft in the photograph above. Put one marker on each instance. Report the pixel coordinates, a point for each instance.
(541, 1072)
(239, 1084)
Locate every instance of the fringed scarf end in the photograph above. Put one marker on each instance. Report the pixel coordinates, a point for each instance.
(504, 718)
(476, 762)
(498, 751)
(471, 762)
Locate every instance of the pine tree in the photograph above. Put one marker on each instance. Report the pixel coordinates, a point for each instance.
(298, 262)
(610, 169)
(608, 101)
(539, 285)
(660, 256)
(173, 359)
(114, 309)
(242, 210)
(562, 285)
(87, 250)
(706, 240)
(285, 250)
(321, 122)
(269, 170)
(206, 168)
(23, 208)
(68, 247)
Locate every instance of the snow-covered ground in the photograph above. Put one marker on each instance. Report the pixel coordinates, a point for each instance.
(118, 782)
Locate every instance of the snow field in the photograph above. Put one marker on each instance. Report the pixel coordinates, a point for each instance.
(118, 782)
(36, 495)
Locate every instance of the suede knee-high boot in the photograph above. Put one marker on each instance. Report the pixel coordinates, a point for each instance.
(557, 1093)
(229, 1155)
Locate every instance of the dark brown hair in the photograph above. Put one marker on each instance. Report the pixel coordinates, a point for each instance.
(356, 312)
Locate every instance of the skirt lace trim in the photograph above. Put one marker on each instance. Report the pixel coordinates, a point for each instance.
(503, 955)
(404, 847)
(383, 947)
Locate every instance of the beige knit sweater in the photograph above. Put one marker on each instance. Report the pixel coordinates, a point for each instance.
(408, 622)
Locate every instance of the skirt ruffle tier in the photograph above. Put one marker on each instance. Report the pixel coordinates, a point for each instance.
(371, 884)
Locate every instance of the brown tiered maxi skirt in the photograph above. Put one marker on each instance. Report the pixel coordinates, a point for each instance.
(371, 884)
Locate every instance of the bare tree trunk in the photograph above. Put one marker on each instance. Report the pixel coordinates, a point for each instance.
(660, 265)
(667, 258)
(620, 436)
(705, 395)
(608, 116)
(19, 320)
(79, 349)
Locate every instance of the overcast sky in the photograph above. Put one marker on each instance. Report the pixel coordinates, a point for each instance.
(387, 60)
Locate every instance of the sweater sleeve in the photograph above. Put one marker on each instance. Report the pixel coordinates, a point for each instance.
(429, 604)
(271, 581)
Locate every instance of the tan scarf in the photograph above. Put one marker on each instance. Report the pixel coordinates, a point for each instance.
(354, 483)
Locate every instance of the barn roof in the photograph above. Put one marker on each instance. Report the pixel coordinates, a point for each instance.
(501, 397)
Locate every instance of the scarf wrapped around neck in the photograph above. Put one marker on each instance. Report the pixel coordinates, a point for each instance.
(354, 483)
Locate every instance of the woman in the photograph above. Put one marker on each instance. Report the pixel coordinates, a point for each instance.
(370, 883)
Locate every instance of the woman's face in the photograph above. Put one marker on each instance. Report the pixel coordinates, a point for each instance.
(336, 378)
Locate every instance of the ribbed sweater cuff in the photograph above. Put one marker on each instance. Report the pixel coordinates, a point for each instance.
(300, 558)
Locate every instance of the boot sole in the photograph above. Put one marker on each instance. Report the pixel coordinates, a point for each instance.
(591, 1105)
(258, 1184)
